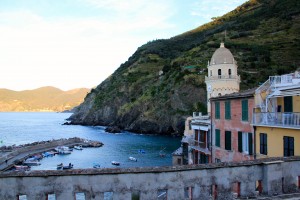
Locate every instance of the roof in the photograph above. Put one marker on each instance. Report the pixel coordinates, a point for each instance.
(236, 95)
(222, 55)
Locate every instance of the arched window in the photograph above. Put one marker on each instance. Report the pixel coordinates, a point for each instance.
(219, 73)
(229, 73)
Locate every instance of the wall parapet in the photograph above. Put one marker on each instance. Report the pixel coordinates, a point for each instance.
(219, 180)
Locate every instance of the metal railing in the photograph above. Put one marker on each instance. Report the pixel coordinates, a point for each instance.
(284, 119)
(221, 77)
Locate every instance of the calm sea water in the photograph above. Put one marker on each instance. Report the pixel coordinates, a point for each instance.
(21, 128)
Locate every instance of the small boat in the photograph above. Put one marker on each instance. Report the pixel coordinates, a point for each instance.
(21, 168)
(141, 151)
(63, 150)
(78, 147)
(115, 163)
(132, 159)
(70, 166)
(31, 162)
(96, 165)
(60, 166)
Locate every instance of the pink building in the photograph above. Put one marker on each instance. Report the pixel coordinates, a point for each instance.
(232, 133)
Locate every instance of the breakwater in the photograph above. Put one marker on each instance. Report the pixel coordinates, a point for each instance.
(249, 179)
(12, 155)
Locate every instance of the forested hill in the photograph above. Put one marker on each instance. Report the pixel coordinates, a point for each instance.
(41, 99)
(163, 81)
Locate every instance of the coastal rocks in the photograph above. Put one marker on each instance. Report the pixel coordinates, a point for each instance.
(113, 129)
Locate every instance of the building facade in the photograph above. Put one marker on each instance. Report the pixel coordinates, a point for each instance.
(277, 116)
(222, 79)
(233, 135)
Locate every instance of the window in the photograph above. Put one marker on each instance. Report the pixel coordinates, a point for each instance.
(245, 110)
(203, 158)
(227, 110)
(245, 142)
(210, 72)
(288, 146)
(263, 143)
(219, 73)
(217, 110)
(190, 125)
(217, 138)
(228, 140)
(229, 73)
(288, 104)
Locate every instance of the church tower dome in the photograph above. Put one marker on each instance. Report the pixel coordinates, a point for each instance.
(222, 74)
(221, 56)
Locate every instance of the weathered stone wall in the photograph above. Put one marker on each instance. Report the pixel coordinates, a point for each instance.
(277, 176)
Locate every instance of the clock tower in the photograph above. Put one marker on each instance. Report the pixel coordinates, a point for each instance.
(222, 75)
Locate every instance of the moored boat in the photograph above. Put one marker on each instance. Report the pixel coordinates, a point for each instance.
(22, 167)
(96, 165)
(132, 159)
(63, 150)
(115, 163)
(78, 147)
(31, 162)
(70, 166)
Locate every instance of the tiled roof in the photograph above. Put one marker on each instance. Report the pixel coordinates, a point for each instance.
(236, 95)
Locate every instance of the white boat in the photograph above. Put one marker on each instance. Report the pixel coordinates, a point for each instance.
(115, 163)
(132, 159)
(21, 168)
(31, 162)
(78, 147)
(63, 150)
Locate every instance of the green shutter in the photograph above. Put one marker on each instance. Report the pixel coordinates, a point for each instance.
(240, 141)
(217, 110)
(227, 140)
(218, 137)
(227, 110)
(245, 110)
(250, 143)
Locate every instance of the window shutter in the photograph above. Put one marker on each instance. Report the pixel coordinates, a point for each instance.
(240, 141)
(245, 110)
(266, 143)
(250, 143)
(227, 110)
(218, 137)
(217, 110)
(227, 140)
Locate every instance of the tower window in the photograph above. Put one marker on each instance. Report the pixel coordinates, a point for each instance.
(229, 73)
(210, 72)
(219, 73)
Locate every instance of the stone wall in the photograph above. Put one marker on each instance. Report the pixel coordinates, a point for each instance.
(211, 181)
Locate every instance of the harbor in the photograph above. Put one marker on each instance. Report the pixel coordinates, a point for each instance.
(29, 154)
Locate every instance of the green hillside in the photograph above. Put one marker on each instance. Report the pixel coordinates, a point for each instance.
(163, 81)
(41, 99)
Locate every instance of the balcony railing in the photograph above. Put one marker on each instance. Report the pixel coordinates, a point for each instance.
(285, 119)
(222, 77)
(198, 145)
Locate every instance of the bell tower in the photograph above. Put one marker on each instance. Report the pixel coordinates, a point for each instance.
(222, 75)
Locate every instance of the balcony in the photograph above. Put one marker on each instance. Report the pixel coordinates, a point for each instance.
(221, 77)
(198, 145)
(278, 119)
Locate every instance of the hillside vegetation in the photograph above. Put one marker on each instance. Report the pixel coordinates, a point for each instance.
(41, 99)
(156, 88)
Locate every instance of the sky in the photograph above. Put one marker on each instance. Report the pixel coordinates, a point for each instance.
(78, 43)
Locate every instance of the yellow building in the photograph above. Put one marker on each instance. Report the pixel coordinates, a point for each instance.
(276, 117)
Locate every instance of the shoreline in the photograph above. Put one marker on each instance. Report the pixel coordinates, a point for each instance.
(11, 155)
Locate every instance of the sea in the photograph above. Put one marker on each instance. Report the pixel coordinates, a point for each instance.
(27, 127)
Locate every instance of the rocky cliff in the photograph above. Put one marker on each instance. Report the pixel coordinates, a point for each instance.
(163, 81)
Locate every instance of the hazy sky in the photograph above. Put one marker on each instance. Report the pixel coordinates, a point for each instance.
(78, 43)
